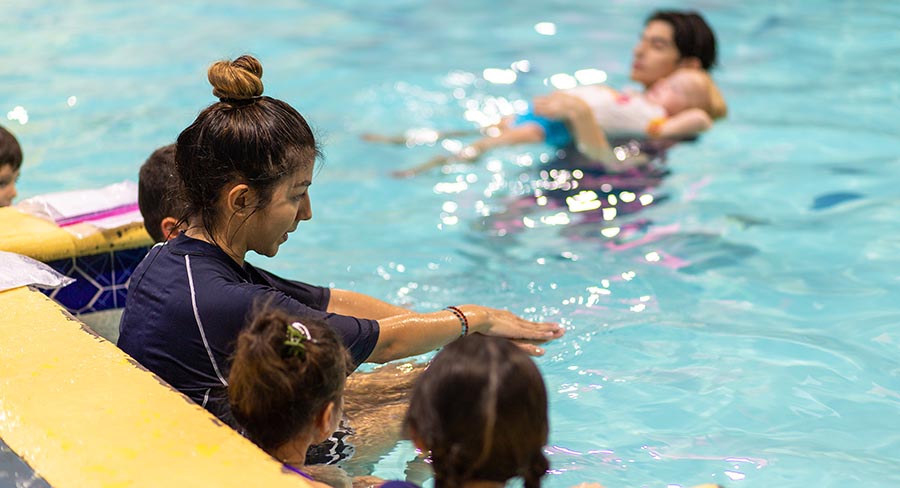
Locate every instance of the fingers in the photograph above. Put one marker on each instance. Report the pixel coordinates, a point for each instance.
(549, 330)
(542, 331)
(530, 349)
(514, 327)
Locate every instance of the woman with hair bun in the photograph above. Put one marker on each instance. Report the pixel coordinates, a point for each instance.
(246, 164)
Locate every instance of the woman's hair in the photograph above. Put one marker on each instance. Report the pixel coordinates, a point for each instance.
(481, 409)
(277, 389)
(693, 36)
(244, 137)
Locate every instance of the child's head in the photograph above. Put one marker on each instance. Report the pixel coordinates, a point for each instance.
(481, 409)
(685, 88)
(10, 162)
(159, 194)
(245, 156)
(287, 380)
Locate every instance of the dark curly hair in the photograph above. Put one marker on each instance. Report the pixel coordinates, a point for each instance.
(275, 393)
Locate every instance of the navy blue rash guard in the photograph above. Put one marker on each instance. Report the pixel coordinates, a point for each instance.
(187, 303)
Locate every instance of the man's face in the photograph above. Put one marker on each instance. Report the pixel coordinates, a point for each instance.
(655, 54)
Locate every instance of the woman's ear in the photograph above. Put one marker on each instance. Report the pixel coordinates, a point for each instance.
(238, 198)
(169, 227)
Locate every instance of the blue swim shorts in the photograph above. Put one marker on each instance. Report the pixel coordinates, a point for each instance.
(555, 132)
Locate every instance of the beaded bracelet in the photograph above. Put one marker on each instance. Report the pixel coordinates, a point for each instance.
(462, 319)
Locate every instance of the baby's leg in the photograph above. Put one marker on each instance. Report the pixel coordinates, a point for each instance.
(520, 134)
(414, 137)
(527, 133)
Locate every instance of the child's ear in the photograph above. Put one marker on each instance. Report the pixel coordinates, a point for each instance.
(326, 421)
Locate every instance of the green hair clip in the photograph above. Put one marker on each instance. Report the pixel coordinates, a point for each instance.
(297, 337)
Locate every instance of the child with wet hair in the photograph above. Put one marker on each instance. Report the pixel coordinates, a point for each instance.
(286, 387)
(159, 195)
(480, 410)
(10, 163)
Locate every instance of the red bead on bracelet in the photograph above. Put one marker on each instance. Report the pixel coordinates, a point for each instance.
(462, 319)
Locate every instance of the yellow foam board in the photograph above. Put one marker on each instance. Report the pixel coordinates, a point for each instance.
(82, 413)
(45, 241)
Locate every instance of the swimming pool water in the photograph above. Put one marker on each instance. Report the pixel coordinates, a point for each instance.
(741, 329)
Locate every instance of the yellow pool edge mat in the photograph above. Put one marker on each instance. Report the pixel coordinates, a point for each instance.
(45, 241)
(82, 413)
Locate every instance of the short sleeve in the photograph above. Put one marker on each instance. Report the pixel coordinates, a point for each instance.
(358, 335)
(315, 297)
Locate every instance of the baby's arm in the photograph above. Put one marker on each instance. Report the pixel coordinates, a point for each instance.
(686, 123)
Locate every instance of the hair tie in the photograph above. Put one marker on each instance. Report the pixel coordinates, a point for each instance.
(240, 101)
(296, 338)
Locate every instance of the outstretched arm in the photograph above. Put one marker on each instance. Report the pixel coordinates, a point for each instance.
(415, 137)
(345, 302)
(522, 134)
(413, 334)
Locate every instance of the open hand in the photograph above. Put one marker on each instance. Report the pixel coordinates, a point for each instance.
(502, 323)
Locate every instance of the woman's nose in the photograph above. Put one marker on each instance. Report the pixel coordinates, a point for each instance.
(305, 211)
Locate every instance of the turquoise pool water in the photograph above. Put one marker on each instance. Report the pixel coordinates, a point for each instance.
(741, 332)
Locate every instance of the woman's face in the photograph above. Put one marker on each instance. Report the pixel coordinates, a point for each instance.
(269, 227)
(655, 54)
